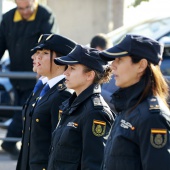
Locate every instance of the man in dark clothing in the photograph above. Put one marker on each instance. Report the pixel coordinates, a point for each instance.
(19, 32)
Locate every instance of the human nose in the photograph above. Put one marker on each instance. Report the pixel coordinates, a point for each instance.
(113, 65)
(33, 56)
(66, 72)
(39, 56)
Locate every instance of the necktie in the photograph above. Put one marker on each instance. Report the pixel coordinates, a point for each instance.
(38, 85)
(44, 91)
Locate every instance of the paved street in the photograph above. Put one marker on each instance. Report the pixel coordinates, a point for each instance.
(5, 162)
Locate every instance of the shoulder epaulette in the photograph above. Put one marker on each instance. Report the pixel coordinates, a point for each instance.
(153, 104)
(97, 101)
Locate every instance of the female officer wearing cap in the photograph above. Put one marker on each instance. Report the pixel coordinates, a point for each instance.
(42, 116)
(79, 139)
(140, 137)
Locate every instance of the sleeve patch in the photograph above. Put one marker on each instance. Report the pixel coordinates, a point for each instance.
(98, 127)
(158, 138)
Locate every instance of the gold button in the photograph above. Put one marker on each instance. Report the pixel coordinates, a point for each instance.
(37, 120)
(43, 169)
(28, 144)
(23, 118)
(29, 128)
(22, 131)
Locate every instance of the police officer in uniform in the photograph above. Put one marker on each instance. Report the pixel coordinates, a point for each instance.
(40, 114)
(79, 139)
(140, 137)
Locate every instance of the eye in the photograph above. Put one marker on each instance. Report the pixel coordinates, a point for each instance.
(72, 68)
(37, 52)
(46, 51)
(119, 60)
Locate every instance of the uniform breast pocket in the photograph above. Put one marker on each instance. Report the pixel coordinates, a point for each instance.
(122, 142)
(71, 136)
(69, 146)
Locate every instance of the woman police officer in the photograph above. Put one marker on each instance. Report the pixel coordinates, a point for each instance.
(80, 136)
(41, 117)
(140, 137)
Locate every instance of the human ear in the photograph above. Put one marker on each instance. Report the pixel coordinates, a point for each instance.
(143, 63)
(90, 75)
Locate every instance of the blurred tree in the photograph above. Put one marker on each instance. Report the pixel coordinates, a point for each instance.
(137, 2)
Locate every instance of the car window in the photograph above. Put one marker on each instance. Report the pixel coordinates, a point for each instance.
(155, 29)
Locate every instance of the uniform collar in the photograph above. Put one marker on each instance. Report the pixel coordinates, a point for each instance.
(126, 98)
(18, 17)
(43, 79)
(75, 100)
(55, 80)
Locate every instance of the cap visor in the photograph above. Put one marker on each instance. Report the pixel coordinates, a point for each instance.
(39, 47)
(113, 53)
(65, 60)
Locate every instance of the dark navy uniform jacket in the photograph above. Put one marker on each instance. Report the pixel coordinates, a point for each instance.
(139, 139)
(39, 121)
(79, 139)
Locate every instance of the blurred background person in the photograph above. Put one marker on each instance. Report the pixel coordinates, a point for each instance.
(101, 42)
(19, 32)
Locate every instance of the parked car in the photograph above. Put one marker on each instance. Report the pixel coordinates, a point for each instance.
(155, 28)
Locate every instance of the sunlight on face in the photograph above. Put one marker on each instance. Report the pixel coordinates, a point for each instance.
(34, 62)
(76, 78)
(43, 62)
(125, 72)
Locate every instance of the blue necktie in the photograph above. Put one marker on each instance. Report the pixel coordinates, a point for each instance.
(44, 90)
(38, 85)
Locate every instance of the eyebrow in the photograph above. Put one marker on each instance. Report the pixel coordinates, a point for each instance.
(72, 65)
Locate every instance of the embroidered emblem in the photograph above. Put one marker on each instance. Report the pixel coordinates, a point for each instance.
(126, 125)
(98, 127)
(72, 124)
(59, 114)
(61, 86)
(158, 138)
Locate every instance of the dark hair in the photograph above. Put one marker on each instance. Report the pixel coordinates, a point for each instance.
(51, 57)
(100, 40)
(100, 78)
(155, 82)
